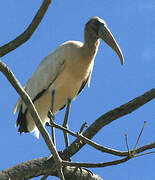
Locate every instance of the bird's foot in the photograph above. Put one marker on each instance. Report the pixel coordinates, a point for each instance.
(80, 168)
(50, 115)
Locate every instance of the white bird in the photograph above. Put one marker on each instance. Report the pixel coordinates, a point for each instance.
(66, 71)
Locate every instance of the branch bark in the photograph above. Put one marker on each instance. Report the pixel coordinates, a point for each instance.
(38, 167)
(26, 35)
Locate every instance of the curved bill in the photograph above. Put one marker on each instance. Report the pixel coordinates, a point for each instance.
(107, 36)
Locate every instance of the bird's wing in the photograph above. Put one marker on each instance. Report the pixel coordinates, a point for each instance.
(88, 78)
(83, 84)
(44, 76)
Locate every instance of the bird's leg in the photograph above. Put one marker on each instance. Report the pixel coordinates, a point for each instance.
(65, 123)
(52, 119)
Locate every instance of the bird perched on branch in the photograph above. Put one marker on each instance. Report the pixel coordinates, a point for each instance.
(62, 75)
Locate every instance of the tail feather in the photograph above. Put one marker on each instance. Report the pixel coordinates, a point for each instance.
(22, 121)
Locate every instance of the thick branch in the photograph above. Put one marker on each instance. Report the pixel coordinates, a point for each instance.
(28, 32)
(38, 167)
(107, 118)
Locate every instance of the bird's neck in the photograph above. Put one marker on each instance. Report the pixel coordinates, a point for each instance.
(91, 44)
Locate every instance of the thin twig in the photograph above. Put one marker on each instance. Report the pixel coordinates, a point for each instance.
(82, 127)
(127, 144)
(139, 135)
(132, 154)
(143, 154)
(22, 38)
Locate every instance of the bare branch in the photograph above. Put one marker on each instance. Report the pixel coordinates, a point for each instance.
(103, 148)
(105, 164)
(130, 155)
(96, 165)
(139, 135)
(127, 144)
(28, 32)
(15, 83)
(42, 166)
(109, 117)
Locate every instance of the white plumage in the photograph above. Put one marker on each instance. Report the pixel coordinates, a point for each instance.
(66, 71)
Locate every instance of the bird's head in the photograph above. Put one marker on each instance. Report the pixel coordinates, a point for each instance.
(99, 29)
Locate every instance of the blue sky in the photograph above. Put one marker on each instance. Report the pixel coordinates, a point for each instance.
(133, 24)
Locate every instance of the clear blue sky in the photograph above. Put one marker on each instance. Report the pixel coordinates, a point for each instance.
(133, 25)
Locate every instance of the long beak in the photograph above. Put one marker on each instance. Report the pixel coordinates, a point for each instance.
(107, 36)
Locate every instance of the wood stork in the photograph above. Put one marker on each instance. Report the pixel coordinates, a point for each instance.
(66, 71)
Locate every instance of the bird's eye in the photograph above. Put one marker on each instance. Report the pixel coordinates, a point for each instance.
(96, 22)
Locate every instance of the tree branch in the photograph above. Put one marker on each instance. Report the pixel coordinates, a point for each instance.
(28, 32)
(129, 156)
(44, 166)
(107, 118)
(12, 79)
(103, 148)
(41, 166)
(5, 70)
(76, 145)
(96, 165)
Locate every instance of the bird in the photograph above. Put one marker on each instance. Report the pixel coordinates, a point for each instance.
(64, 73)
